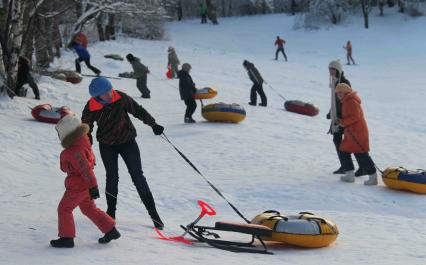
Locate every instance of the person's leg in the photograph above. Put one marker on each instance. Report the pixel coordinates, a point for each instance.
(276, 53)
(262, 95)
(102, 220)
(131, 156)
(91, 67)
(192, 108)
(139, 85)
(66, 226)
(19, 87)
(352, 59)
(337, 140)
(368, 167)
(348, 166)
(285, 55)
(109, 156)
(33, 86)
(77, 64)
(253, 95)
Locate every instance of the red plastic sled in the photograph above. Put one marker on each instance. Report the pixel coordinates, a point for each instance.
(49, 114)
(169, 72)
(301, 107)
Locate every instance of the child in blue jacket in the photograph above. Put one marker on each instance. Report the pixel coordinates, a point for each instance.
(83, 56)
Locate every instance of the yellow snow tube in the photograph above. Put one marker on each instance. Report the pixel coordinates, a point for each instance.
(222, 112)
(205, 93)
(399, 178)
(303, 230)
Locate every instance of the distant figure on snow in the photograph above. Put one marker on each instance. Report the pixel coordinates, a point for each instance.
(186, 91)
(24, 77)
(81, 188)
(348, 49)
(179, 10)
(173, 61)
(355, 138)
(83, 56)
(257, 87)
(203, 12)
(280, 48)
(141, 74)
(336, 77)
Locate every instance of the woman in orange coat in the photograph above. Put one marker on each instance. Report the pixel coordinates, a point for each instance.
(355, 139)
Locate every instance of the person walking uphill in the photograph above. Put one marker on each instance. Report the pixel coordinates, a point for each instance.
(83, 56)
(77, 160)
(355, 138)
(280, 48)
(141, 74)
(186, 91)
(24, 77)
(203, 12)
(173, 61)
(348, 49)
(336, 77)
(116, 135)
(257, 87)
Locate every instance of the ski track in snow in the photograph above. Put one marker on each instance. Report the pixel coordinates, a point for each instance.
(272, 160)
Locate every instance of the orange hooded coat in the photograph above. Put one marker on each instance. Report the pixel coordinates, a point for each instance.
(356, 131)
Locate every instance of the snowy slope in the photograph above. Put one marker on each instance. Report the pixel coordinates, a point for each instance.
(272, 160)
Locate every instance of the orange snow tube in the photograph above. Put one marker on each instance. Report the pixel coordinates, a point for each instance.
(49, 114)
(205, 93)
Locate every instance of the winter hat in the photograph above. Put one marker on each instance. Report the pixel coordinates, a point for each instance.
(342, 87)
(245, 63)
(171, 48)
(336, 65)
(130, 57)
(99, 86)
(186, 67)
(69, 129)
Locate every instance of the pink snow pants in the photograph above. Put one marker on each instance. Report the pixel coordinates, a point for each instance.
(69, 202)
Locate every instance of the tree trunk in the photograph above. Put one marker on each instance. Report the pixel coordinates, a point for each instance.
(110, 28)
(28, 38)
(100, 28)
(365, 5)
(15, 42)
(56, 37)
(40, 39)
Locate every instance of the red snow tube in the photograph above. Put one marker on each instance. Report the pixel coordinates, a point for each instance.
(49, 114)
(74, 79)
(301, 107)
(82, 39)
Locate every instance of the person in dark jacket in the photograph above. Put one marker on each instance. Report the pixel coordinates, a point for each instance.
(257, 87)
(25, 77)
(116, 135)
(83, 56)
(141, 74)
(336, 77)
(173, 61)
(186, 91)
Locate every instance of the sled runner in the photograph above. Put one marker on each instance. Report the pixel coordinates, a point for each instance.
(209, 235)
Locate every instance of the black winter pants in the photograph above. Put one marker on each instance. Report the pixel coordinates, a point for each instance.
(141, 84)
(131, 156)
(191, 105)
(257, 88)
(282, 51)
(30, 81)
(337, 140)
(87, 62)
(364, 161)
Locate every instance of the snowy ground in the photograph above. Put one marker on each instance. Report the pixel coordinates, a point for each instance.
(272, 160)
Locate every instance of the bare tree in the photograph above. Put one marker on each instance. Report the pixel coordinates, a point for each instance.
(366, 9)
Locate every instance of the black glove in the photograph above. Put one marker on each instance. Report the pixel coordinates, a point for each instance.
(94, 193)
(158, 129)
(328, 116)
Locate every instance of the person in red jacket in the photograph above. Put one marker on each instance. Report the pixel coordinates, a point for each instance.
(81, 188)
(280, 48)
(348, 49)
(355, 137)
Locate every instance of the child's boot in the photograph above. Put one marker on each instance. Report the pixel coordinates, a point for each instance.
(348, 177)
(63, 242)
(372, 180)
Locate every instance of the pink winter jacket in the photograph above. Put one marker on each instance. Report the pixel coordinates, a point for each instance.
(78, 161)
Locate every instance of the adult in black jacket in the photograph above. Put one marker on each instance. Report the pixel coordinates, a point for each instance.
(336, 76)
(116, 136)
(187, 90)
(257, 87)
(24, 77)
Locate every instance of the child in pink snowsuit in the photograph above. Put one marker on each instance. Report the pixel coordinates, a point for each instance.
(81, 188)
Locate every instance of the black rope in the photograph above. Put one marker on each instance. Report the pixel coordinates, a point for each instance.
(273, 89)
(208, 182)
(362, 148)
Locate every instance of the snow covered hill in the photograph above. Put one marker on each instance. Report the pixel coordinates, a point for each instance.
(272, 160)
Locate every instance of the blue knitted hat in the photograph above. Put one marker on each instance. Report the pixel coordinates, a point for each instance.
(99, 86)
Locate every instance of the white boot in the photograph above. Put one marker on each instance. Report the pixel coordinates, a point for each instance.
(348, 177)
(372, 180)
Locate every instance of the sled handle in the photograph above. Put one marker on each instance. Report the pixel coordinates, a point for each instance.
(206, 208)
